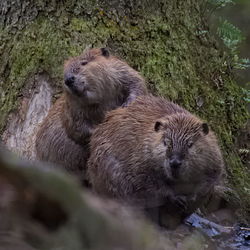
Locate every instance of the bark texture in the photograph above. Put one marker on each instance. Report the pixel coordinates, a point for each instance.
(167, 41)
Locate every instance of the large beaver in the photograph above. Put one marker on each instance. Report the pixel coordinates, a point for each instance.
(155, 154)
(94, 83)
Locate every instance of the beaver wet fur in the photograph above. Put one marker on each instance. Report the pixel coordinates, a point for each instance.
(94, 83)
(157, 156)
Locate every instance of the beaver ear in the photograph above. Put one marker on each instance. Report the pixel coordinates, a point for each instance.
(205, 128)
(105, 52)
(158, 125)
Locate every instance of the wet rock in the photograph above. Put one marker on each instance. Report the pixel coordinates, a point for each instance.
(223, 238)
(210, 228)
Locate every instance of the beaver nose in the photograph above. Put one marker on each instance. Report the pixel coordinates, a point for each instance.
(69, 80)
(175, 162)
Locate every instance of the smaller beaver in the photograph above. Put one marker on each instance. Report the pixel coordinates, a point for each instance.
(155, 154)
(94, 83)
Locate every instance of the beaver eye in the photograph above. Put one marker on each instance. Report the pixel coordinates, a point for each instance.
(190, 144)
(84, 63)
(166, 142)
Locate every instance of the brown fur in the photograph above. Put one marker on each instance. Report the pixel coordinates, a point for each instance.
(131, 152)
(101, 83)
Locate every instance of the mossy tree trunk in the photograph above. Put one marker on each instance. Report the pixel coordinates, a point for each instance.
(168, 41)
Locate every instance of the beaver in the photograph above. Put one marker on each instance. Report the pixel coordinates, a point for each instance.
(94, 83)
(155, 155)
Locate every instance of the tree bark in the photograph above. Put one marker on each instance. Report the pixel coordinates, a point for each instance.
(167, 41)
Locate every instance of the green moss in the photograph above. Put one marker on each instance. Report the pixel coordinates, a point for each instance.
(193, 73)
(239, 182)
(43, 46)
(171, 48)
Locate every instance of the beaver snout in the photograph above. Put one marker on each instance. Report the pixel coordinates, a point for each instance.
(74, 85)
(69, 80)
(175, 161)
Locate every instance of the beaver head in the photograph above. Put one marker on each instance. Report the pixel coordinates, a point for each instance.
(187, 148)
(90, 78)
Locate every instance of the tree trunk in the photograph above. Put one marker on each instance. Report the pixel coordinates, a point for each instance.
(167, 41)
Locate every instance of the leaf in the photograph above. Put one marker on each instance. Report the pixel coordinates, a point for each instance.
(243, 63)
(230, 35)
(221, 3)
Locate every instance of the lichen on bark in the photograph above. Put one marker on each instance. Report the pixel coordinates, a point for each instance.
(167, 41)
